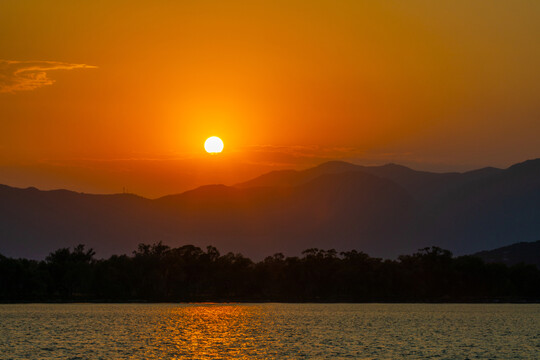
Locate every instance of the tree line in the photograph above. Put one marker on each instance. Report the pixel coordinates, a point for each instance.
(158, 273)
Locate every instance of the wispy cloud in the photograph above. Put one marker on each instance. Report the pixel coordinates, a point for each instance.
(29, 75)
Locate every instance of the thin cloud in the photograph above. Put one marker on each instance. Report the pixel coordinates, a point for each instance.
(29, 75)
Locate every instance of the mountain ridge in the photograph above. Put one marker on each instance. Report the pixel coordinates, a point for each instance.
(383, 210)
(521, 252)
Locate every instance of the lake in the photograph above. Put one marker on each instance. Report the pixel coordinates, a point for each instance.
(270, 331)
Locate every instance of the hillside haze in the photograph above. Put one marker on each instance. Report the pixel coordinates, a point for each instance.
(382, 210)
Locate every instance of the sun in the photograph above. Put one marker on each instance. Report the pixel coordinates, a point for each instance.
(213, 145)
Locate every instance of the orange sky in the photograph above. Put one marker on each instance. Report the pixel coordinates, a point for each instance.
(100, 95)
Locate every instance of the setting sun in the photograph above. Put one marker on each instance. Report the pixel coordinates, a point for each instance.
(213, 145)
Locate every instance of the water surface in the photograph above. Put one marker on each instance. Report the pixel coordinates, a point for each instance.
(269, 331)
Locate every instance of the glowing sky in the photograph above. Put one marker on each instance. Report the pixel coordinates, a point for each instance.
(100, 95)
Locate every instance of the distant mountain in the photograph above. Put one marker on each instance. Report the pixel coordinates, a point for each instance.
(420, 184)
(523, 252)
(383, 210)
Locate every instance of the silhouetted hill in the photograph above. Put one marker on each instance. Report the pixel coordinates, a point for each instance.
(421, 184)
(32, 220)
(382, 210)
(348, 209)
(523, 252)
(293, 178)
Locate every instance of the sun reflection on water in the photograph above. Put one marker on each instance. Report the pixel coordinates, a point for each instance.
(213, 331)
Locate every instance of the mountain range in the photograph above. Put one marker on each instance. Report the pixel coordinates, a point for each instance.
(382, 210)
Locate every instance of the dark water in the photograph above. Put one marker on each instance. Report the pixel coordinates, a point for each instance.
(269, 331)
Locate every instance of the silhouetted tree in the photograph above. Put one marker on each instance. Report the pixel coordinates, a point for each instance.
(70, 272)
(160, 273)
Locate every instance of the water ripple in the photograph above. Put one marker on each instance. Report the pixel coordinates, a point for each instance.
(269, 331)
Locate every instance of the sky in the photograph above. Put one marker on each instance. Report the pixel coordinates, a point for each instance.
(111, 96)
